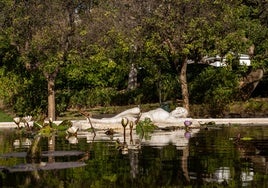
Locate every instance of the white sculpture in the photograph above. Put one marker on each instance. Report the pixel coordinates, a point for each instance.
(132, 114)
(156, 116)
(161, 116)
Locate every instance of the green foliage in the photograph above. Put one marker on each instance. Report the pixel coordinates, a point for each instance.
(90, 54)
(168, 87)
(215, 87)
(145, 128)
(31, 98)
(8, 54)
(46, 131)
(255, 107)
(62, 100)
(93, 97)
(63, 126)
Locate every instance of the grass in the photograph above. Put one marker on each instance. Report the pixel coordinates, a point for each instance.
(99, 112)
(4, 117)
(257, 107)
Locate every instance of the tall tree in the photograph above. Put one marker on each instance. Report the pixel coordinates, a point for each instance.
(194, 29)
(42, 31)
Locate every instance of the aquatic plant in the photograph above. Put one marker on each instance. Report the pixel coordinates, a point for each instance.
(187, 123)
(72, 130)
(145, 127)
(63, 126)
(17, 121)
(124, 123)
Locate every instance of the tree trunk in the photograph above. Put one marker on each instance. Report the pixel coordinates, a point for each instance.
(132, 78)
(182, 77)
(250, 82)
(51, 98)
(184, 85)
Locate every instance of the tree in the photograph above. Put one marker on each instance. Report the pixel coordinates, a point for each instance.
(172, 25)
(84, 46)
(42, 32)
(194, 29)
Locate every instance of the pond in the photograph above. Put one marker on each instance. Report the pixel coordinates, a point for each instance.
(216, 156)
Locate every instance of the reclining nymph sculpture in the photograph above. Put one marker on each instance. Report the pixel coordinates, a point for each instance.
(156, 116)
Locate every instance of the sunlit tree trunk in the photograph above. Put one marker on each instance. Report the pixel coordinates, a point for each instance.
(182, 77)
(51, 78)
(184, 85)
(51, 100)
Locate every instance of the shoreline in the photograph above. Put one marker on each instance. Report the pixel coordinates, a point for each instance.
(240, 121)
(201, 121)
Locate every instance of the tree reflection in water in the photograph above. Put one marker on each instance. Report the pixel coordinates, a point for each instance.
(203, 158)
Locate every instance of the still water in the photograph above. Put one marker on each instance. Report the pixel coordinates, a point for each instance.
(233, 156)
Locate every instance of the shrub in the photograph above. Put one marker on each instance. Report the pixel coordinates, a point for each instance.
(215, 87)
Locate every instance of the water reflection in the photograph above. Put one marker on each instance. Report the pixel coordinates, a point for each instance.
(179, 138)
(227, 159)
(177, 158)
(72, 139)
(22, 143)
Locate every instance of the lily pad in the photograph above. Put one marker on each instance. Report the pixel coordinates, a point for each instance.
(43, 166)
(246, 138)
